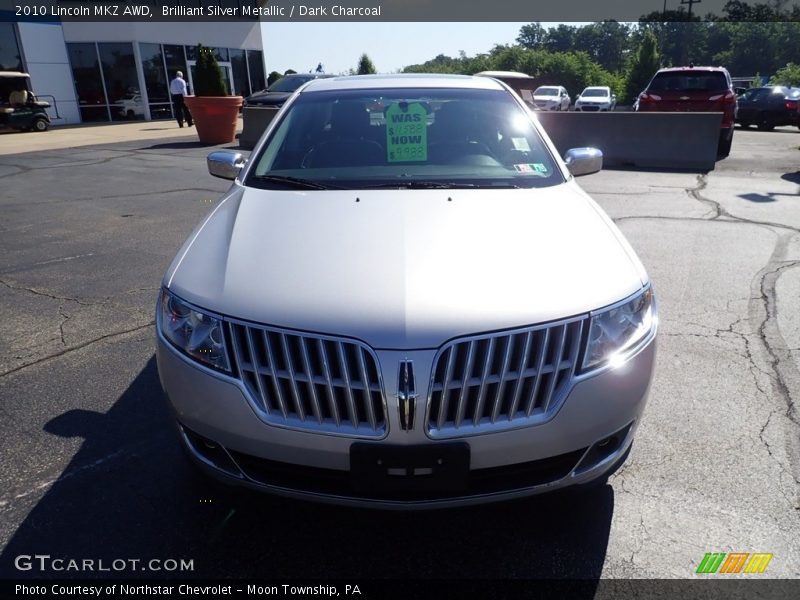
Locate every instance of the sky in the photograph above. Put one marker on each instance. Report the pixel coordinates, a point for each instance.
(391, 46)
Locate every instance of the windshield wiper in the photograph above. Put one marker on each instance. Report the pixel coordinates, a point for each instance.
(296, 182)
(439, 185)
(420, 185)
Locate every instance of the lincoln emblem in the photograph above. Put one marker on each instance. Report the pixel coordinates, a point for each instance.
(406, 395)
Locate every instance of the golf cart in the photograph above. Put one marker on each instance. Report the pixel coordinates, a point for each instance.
(19, 108)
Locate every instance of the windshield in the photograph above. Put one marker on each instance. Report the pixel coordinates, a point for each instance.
(688, 81)
(546, 91)
(288, 84)
(594, 93)
(403, 137)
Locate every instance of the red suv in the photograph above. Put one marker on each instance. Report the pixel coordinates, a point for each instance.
(696, 89)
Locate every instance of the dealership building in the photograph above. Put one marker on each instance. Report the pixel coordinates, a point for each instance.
(110, 71)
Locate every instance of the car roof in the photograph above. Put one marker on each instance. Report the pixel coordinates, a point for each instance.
(693, 68)
(407, 80)
(506, 74)
(596, 87)
(313, 75)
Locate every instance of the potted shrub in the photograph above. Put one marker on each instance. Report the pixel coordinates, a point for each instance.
(215, 112)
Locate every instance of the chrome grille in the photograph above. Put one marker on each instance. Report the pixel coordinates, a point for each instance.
(310, 382)
(502, 381)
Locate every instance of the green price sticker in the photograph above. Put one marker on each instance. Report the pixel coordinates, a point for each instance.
(406, 132)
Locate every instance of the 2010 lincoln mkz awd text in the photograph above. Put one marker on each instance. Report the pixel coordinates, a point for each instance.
(405, 300)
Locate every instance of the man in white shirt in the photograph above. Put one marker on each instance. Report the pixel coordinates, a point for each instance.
(177, 87)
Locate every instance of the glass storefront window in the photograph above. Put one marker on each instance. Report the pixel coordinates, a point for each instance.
(256, 62)
(88, 81)
(155, 80)
(220, 53)
(10, 56)
(92, 114)
(122, 82)
(239, 66)
(113, 65)
(176, 61)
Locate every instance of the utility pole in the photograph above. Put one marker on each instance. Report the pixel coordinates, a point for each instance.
(690, 3)
(687, 32)
(663, 31)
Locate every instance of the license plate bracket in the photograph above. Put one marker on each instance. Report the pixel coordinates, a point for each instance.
(423, 468)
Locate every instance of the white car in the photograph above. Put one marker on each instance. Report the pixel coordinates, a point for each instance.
(405, 300)
(551, 97)
(131, 106)
(596, 98)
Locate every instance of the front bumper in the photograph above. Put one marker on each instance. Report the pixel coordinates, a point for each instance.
(593, 107)
(588, 435)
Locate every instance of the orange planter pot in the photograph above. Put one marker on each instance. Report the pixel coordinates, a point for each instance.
(215, 117)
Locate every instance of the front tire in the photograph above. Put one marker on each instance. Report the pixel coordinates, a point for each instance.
(764, 124)
(39, 125)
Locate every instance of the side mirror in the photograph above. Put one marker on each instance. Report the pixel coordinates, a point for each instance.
(225, 164)
(583, 161)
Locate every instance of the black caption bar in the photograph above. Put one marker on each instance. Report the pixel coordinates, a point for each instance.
(390, 10)
(406, 589)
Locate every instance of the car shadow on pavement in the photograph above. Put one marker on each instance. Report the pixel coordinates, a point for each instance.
(792, 177)
(761, 198)
(129, 494)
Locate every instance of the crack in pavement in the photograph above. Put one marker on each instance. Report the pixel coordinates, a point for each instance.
(39, 292)
(780, 360)
(762, 310)
(718, 213)
(61, 325)
(76, 347)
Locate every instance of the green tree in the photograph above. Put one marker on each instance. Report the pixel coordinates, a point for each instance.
(643, 68)
(788, 76)
(289, 72)
(681, 40)
(606, 42)
(532, 35)
(273, 77)
(208, 79)
(365, 66)
(561, 38)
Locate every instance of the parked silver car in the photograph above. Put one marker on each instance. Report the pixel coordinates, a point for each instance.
(597, 99)
(405, 300)
(551, 97)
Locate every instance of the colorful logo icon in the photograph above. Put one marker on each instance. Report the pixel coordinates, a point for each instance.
(735, 562)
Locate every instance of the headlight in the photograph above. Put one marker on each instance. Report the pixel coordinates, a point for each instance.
(615, 330)
(192, 331)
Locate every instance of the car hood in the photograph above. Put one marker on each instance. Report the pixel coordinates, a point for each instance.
(405, 269)
(543, 98)
(598, 99)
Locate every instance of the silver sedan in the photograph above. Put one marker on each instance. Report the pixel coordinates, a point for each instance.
(405, 300)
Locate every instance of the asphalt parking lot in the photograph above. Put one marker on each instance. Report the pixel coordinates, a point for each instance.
(90, 467)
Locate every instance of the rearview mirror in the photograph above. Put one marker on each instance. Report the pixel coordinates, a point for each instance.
(225, 164)
(583, 161)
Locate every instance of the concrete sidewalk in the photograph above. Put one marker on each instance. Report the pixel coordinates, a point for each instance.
(92, 135)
